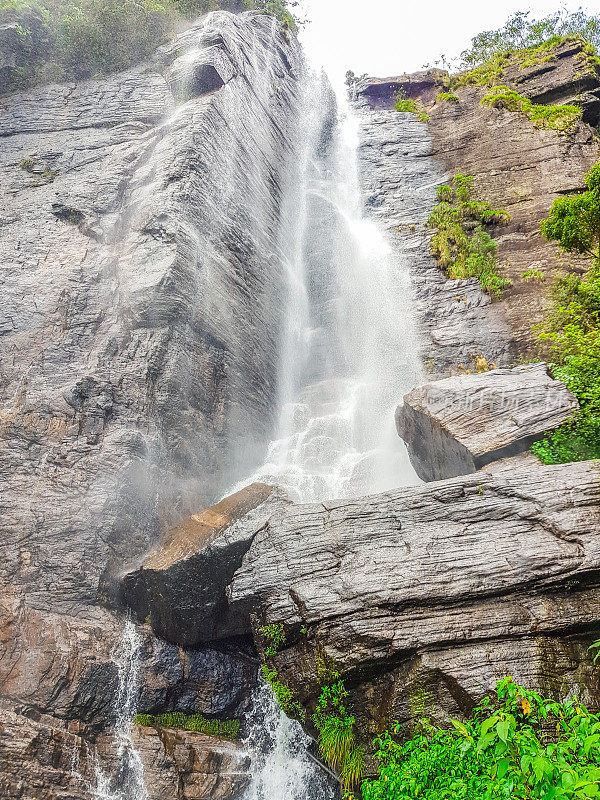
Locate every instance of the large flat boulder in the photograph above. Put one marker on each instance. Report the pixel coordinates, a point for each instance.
(181, 584)
(460, 424)
(447, 586)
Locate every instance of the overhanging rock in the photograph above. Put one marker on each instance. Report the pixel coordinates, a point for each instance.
(181, 585)
(458, 425)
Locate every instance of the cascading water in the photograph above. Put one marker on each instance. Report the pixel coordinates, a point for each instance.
(349, 354)
(350, 351)
(127, 780)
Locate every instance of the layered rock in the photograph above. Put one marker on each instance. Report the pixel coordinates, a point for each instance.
(516, 167)
(142, 283)
(191, 573)
(458, 425)
(447, 586)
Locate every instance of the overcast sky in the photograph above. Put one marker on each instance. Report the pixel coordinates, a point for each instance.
(389, 37)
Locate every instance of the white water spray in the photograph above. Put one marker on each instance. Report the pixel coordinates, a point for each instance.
(281, 766)
(127, 781)
(349, 354)
(350, 351)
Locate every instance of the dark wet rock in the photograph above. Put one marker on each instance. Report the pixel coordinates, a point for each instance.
(458, 425)
(181, 585)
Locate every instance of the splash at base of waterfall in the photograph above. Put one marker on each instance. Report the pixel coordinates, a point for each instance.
(281, 766)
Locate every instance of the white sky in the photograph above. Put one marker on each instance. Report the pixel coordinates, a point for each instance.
(389, 37)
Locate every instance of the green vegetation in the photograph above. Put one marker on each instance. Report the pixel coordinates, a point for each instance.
(447, 97)
(226, 729)
(533, 274)
(561, 119)
(521, 746)
(335, 726)
(80, 39)
(571, 329)
(526, 42)
(532, 39)
(275, 636)
(409, 105)
(461, 244)
(333, 722)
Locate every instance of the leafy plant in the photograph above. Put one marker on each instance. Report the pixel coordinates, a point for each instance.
(571, 329)
(274, 634)
(461, 244)
(502, 751)
(227, 729)
(533, 274)
(335, 726)
(447, 97)
(408, 105)
(561, 119)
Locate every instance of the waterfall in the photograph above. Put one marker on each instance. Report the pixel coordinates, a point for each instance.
(282, 768)
(349, 352)
(127, 781)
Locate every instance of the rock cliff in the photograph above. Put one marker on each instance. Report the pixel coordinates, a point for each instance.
(516, 167)
(428, 594)
(142, 281)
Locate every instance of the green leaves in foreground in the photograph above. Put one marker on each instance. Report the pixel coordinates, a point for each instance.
(226, 729)
(521, 746)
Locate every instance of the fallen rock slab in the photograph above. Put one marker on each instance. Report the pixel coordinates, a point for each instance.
(457, 425)
(181, 585)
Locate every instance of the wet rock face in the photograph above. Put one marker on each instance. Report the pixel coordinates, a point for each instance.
(181, 586)
(400, 176)
(458, 425)
(141, 297)
(190, 766)
(516, 167)
(441, 589)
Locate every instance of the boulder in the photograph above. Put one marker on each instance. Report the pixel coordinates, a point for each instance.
(458, 425)
(435, 591)
(447, 586)
(181, 585)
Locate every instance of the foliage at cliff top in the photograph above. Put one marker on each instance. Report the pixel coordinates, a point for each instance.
(226, 729)
(522, 34)
(520, 746)
(79, 39)
(561, 119)
(571, 329)
(526, 43)
(460, 243)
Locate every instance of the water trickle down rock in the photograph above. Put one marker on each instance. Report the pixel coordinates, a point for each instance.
(143, 269)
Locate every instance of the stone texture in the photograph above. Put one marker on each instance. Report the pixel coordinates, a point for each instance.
(437, 590)
(142, 275)
(192, 570)
(399, 177)
(447, 586)
(516, 167)
(458, 425)
(191, 766)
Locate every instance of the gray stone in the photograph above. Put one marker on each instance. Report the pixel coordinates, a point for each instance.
(141, 303)
(458, 425)
(451, 584)
(181, 585)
